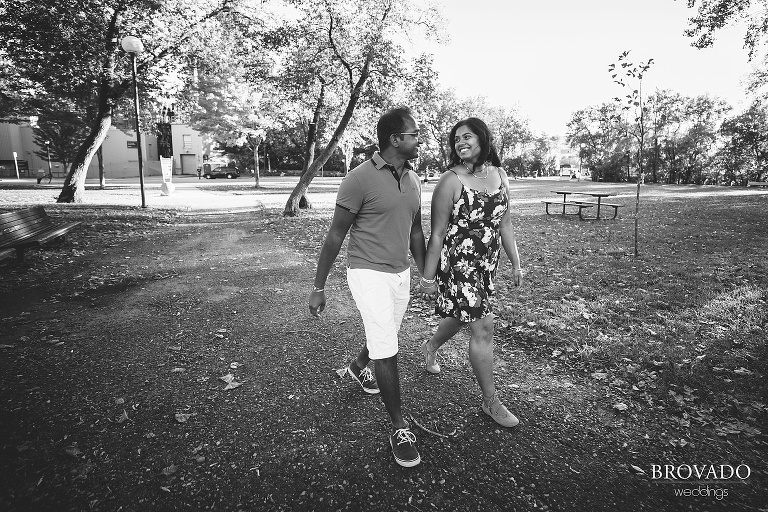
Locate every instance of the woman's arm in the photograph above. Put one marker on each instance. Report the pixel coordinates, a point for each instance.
(444, 196)
(508, 240)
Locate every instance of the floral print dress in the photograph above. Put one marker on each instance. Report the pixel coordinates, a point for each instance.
(470, 254)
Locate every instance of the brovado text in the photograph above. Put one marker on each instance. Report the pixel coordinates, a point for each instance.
(700, 472)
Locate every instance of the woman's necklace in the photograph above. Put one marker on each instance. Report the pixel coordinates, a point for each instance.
(473, 173)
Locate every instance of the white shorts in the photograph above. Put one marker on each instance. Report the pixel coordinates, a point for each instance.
(382, 299)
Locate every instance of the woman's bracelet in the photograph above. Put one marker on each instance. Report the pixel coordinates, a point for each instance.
(427, 281)
(517, 270)
(316, 289)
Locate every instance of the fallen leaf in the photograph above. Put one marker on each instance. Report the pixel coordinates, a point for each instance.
(122, 417)
(620, 406)
(638, 470)
(74, 451)
(231, 382)
(182, 417)
(170, 470)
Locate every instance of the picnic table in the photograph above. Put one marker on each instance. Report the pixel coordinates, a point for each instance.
(599, 196)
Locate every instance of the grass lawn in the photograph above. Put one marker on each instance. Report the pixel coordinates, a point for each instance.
(115, 342)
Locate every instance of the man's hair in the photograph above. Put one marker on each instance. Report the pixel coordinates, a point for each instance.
(479, 128)
(392, 121)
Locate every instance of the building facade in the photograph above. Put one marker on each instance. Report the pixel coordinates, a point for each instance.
(188, 148)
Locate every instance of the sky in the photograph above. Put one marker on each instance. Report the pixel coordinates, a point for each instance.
(550, 58)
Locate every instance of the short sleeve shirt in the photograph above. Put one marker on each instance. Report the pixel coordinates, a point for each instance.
(385, 209)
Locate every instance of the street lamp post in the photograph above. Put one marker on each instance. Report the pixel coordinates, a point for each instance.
(133, 46)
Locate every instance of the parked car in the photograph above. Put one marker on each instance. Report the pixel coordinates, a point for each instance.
(222, 172)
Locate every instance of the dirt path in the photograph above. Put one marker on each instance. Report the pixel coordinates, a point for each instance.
(114, 346)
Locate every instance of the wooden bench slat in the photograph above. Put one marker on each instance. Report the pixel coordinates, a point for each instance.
(567, 203)
(564, 204)
(601, 204)
(29, 227)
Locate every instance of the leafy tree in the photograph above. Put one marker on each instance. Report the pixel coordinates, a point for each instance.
(596, 132)
(624, 75)
(358, 40)
(747, 142)
(230, 109)
(703, 116)
(59, 132)
(58, 49)
(511, 131)
(714, 15)
(541, 162)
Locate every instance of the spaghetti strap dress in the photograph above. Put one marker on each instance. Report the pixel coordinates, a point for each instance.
(470, 254)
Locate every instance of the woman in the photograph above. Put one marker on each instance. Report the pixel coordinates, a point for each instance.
(470, 221)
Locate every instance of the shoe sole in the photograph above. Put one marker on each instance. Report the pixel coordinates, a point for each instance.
(488, 412)
(405, 463)
(369, 391)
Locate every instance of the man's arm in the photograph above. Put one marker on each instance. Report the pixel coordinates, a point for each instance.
(418, 246)
(342, 220)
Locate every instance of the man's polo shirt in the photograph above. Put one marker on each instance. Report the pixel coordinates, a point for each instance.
(384, 209)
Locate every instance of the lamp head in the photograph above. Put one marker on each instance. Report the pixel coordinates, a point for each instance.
(132, 44)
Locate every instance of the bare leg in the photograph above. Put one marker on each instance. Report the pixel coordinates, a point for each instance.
(481, 354)
(389, 384)
(446, 329)
(362, 359)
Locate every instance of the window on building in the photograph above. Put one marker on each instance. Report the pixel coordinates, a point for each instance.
(187, 141)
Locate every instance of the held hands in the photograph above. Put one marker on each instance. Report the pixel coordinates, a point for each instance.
(316, 301)
(427, 288)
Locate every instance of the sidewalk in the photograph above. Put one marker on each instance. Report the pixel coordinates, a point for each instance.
(190, 194)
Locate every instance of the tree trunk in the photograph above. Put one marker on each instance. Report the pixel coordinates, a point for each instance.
(102, 178)
(292, 205)
(309, 148)
(74, 184)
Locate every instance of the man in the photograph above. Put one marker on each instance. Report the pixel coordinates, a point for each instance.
(379, 204)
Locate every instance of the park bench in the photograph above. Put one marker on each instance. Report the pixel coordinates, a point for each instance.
(564, 204)
(30, 227)
(757, 183)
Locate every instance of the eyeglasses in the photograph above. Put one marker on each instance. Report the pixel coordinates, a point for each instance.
(415, 134)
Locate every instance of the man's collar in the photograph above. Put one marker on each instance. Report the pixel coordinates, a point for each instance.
(380, 163)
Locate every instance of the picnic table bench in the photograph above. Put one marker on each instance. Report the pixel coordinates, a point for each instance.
(565, 204)
(30, 227)
(757, 183)
(583, 204)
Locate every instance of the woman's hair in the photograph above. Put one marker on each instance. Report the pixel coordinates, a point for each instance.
(392, 121)
(487, 150)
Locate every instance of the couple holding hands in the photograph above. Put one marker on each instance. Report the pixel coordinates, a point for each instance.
(379, 205)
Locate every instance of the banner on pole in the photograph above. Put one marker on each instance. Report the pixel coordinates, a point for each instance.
(166, 165)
